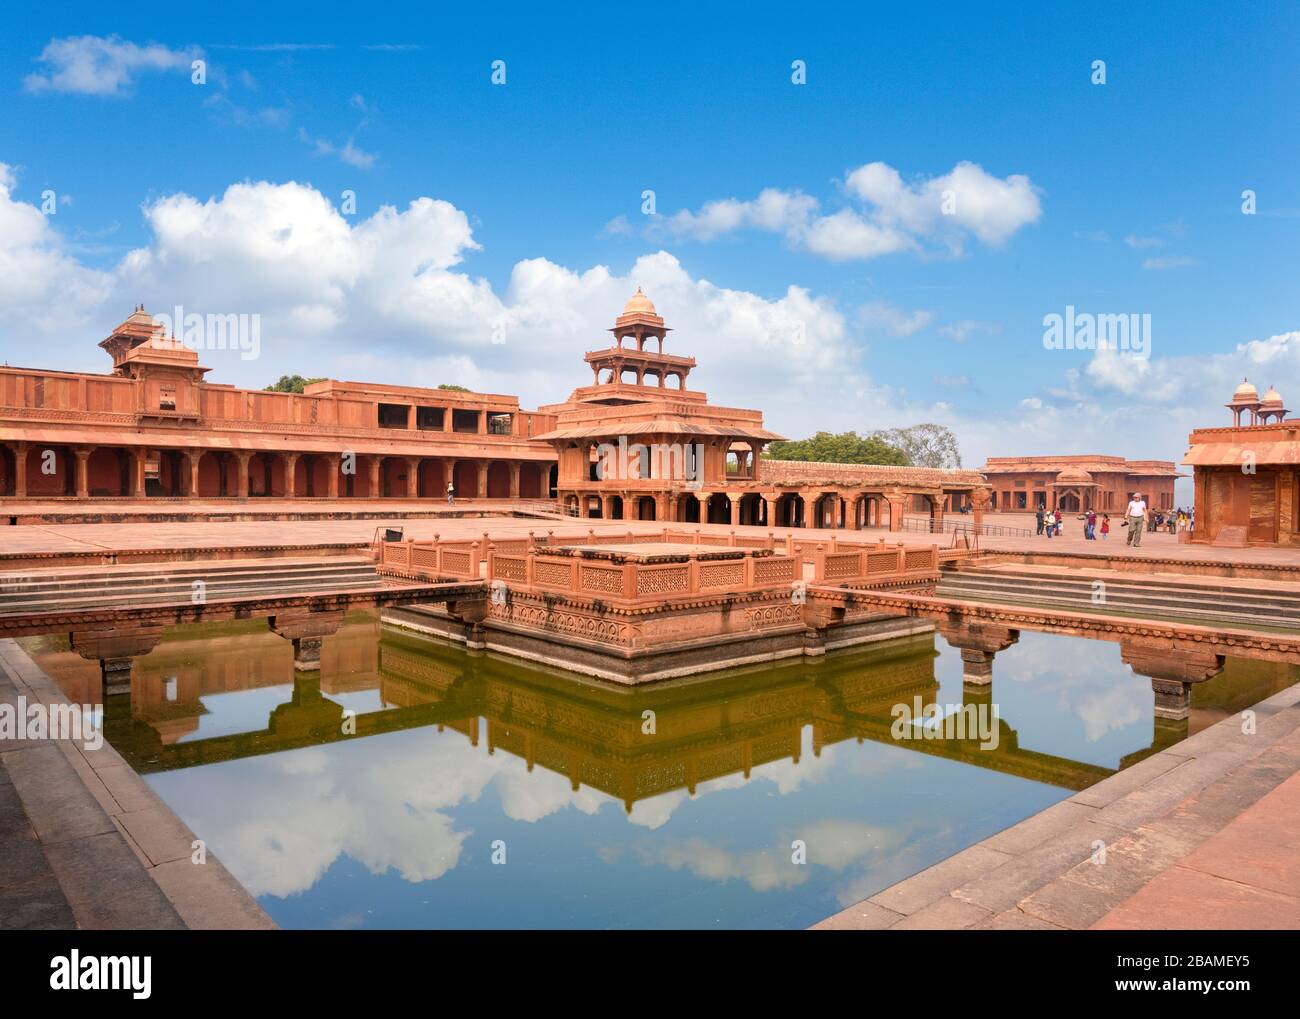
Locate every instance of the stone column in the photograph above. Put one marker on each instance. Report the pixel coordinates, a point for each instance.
(1172, 673)
(373, 463)
(137, 473)
(482, 422)
(978, 643)
(306, 630)
(412, 477)
(82, 454)
(734, 502)
(20, 469)
(333, 465)
(483, 466)
(769, 504)
(897, 507)
(514, 479)
(451, 478)
(115, 650)
(290, 469)
(241, 484)
(194, 456)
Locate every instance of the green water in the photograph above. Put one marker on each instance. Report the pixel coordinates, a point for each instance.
(473, 791)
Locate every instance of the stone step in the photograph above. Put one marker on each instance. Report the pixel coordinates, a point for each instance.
(1139, 605)
(1267, 589)
(173, 583)
(1243, 598)
(182, 596)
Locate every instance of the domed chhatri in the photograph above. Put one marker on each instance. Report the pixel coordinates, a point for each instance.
(639, 304)
(1074, 476)
(1272, 407)
(1245, 400)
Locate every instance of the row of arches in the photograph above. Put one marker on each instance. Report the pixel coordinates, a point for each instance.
(753, 509)
(42, 470)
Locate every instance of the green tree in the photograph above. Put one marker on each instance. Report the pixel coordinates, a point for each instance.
(291, 384)
(457, 389)
(844, 448)
(926, 445)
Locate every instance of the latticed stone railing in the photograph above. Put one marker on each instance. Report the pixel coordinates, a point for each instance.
(697, 563)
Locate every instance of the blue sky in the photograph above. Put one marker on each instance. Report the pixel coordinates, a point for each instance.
(1123, 197)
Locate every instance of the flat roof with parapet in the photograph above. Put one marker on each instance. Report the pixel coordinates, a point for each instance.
(652, 551)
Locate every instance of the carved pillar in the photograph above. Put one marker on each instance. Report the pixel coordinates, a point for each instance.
(82, 454)
(306, 630)
(514, 479)
(978, 643)
(290, 469)
(20, 469)
(412, 477)
(332, 463)
(1172, 673)
(897, 507)
(241, 484)
(194, 456)
(115, 650)
(735, 509)
(372, 462)
(769, 509)
(137, 472)
(483, 478)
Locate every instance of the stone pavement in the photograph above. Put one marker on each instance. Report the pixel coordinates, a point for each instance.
(29, 539)
(1202, 835)
(86, 844)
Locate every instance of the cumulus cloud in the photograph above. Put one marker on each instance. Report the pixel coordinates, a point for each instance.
(101, 66)
(892, 215)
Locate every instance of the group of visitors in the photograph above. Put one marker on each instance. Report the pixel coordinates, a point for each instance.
(1137, 519)
(1173, 520)
(1049, 523)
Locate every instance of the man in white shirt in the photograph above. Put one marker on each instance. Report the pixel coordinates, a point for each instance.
(1137, 514)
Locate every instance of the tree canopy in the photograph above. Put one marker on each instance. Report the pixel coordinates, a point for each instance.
(448, 385)
(926, 445)
(844, 448)
(291, 384)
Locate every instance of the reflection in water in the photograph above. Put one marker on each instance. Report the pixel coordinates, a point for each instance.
(676, 805)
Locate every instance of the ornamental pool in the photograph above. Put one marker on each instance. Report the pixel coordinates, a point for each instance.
(475, 791)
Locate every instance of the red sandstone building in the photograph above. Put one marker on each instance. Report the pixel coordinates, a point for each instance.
(635, 444)
(155, 428)
(1075, 484)
(1247, 477)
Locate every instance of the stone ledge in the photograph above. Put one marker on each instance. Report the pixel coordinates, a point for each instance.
(1151, 818)
(116, 851)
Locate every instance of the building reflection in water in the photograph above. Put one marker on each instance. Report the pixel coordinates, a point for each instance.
(629, 743)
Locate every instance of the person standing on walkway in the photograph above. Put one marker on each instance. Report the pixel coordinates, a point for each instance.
(1039, 518)
(451, 493)
(1137, 514)
(1090, 526)
(1105, 526)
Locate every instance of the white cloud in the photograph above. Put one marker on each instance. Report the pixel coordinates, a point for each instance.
(965, 329)
(892, 215)
(101, 66)
(1168, 262)
(347, 153)
(1144, 242)
(881, 315)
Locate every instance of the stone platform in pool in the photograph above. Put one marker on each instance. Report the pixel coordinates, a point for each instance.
(656, 606)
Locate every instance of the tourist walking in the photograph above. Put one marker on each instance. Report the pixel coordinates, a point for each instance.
(1105, 526)
(1038, 517)
(1090, 526)
(1137, 515)
(451, 493)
